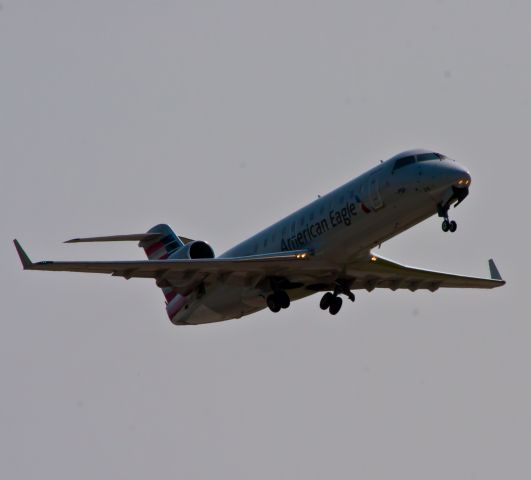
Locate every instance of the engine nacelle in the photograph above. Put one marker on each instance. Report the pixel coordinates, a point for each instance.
(193, 250)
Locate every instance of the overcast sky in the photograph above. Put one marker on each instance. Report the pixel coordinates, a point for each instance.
(220, 118)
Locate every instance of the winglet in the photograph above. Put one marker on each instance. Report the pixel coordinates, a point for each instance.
(26, 262)
(494, 272)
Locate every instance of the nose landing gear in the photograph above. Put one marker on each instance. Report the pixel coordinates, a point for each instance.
(447, 224)
(458, 194)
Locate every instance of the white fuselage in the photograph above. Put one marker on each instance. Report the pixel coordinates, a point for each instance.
(340, 226)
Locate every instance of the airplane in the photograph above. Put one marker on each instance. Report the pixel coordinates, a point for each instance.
(323, 247)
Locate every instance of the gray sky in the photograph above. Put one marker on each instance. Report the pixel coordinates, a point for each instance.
(219, 118)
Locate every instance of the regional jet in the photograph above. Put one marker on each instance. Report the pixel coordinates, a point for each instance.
(323, 247)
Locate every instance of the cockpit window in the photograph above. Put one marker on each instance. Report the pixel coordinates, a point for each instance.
(424, 157)
(402, 162)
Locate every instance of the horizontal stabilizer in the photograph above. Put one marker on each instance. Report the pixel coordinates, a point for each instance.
(117, 238)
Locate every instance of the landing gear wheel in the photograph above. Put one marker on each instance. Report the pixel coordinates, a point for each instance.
(453, 226)
(283, 299)
(335, 306)
(326, 301)
(445, 226)
(273, 303)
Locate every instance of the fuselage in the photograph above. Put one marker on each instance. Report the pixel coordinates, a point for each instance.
(342, 225)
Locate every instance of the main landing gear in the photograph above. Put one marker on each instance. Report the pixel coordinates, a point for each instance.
(278, 300)
(333, 302)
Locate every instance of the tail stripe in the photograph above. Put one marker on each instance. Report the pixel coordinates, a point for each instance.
(170, 294)
(153, 248)
(162, 247)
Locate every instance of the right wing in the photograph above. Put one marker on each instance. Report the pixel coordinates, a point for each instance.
(378, 272)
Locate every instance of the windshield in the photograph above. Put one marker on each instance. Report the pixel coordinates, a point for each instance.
(402, 162)
(424, 157)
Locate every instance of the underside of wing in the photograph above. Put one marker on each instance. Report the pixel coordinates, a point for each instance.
(182, 273)
(379, 272)
(292, 269)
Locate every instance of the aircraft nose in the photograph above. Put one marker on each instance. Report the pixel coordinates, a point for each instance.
(451, 175)
(461, 176)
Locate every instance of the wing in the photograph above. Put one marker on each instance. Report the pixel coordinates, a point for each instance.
(379, 272)
(182, 273)
(298, 268)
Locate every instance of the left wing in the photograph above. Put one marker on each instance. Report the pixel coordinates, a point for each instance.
(180, 273)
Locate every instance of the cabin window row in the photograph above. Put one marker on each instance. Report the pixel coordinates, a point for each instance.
(291, 229)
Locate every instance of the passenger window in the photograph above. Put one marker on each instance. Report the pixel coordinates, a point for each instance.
(342, 199)
(265, 242)
(311, 215)
(402, 162)
(293, 227)
(302, 221)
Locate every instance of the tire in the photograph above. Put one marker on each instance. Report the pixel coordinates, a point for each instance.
(283, 299)
(326, 301)
(273, 303)
(445, 226)
(335, 306)
(453, 226)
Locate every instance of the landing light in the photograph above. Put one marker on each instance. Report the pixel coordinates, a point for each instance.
(373, 259)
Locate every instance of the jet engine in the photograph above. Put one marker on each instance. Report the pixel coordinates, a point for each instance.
(193, 250)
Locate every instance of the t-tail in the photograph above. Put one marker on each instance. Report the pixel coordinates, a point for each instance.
(160, 243)
(161, 247)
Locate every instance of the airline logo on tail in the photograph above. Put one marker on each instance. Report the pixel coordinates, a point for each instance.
(161, 247)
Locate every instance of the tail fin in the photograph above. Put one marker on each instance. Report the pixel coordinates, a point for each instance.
(159, 248)
(163, 245)
(158, 242)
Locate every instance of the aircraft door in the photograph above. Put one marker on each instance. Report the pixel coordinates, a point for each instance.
(374, 193)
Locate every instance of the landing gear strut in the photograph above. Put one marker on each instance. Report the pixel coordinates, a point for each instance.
(332, 301)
